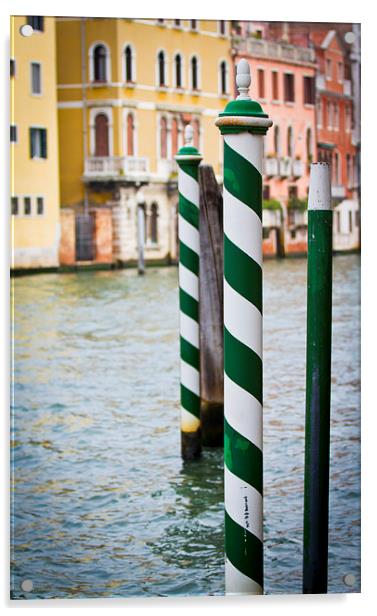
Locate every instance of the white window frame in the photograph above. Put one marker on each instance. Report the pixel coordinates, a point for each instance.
(126, 113)
(38, 127)
(220, 92)
(91, 63)
(174, 75)
(36, 63)
(199, 75)
(133, 64)
(94, 111)
(166, 69)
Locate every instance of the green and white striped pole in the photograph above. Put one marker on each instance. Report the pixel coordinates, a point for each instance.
(318, 381)
(243, 125)
(188, 159)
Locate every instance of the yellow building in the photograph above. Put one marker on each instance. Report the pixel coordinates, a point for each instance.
(34, 144)
(126, 90)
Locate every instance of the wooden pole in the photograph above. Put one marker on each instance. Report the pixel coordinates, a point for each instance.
(211, 308)
(318, 381)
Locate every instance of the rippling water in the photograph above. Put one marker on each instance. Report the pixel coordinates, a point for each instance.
(102, 503)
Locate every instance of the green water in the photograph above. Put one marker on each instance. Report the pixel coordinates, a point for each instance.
(102, 503)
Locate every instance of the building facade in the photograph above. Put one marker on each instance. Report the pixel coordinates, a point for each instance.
(126, 90)
(283, 80)
(35, 201)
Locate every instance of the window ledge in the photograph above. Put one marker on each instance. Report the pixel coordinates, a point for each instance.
(289, 103)
(129, 84)
(99, 84)
(309, 105)
(276, 102)
(162, 88)
(195, 92)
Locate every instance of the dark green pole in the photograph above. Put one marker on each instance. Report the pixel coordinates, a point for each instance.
(318, 381)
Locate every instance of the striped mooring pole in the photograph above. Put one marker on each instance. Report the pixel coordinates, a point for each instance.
(318, 381)
(188, 159)
(243, 125)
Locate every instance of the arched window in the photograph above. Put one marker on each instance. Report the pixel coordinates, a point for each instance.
(194, 24)
(101, 128)
(154, 223)
(163, 138)
(161, 69)
(196, 136)
(276, 141)
(128, 57)
(309, 154)
(100, 59)
(223, 77)
(194, 73)
(130, 135)
(178, 70)
(290, 141)
(174, 136)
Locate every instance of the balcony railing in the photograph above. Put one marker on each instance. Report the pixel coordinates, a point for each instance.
(166, 167)
(285, 167)
(320, 82)
(271, 167)
(271, 49)
(338, 191)
(297, 168)
(116, 167)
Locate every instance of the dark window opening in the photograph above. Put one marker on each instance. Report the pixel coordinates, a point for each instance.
(178, 71)
(289, 88)
(309, 91)
(36, 82)
(275, 86)
(223, 77)
(14, 205)
(12, 67)
(266, 192)
(40, 206)
(128, 55)
(27, 206)
(161, 68)
(37, 23)
(100, 63)
(38, 142)
(194, 73)
(13, 133)
(261, 82)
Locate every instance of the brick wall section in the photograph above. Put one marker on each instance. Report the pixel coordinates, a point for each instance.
(103, 235)
(67, 248)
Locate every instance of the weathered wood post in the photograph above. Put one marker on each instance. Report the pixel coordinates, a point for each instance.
(243, 125)
(188, 159)
(211, 309)
(318, 381)
(140, 204)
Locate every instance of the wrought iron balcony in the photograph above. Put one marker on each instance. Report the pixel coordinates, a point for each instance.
(272, 49)
(297, 168)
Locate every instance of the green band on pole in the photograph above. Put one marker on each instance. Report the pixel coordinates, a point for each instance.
(188, 159)
(318, 381)
(243, 123)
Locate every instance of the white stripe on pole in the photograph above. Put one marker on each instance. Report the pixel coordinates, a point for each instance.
(243, 412)
(188, 281)
(243, 227)
(190, 378)
(243, 320)
(248, 146)
(319, 187)
(188, 187)
(239, 584)
(188, 234)
(189, 329)
(244, 503)
(189, 423)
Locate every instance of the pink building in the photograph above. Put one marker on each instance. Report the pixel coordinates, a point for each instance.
(283, 81)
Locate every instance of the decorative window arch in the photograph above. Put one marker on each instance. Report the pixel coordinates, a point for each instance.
(161, 76)
(194, 73)
(129, 63)
(163, 137)
(290, 141)
(223, 77)
(101, 131)
(153, 223)
(99, 62)
(178, 70)
(101, 128)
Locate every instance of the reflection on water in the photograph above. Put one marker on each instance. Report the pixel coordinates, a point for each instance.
(102, 504)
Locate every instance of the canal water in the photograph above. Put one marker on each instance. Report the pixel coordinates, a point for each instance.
(102, 504)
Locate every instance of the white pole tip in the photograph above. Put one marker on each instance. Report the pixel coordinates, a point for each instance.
(243, 79)
(319, 187)
(189, 134)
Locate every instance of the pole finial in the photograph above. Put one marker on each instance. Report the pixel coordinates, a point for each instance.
(243, 79)
(189, 134)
